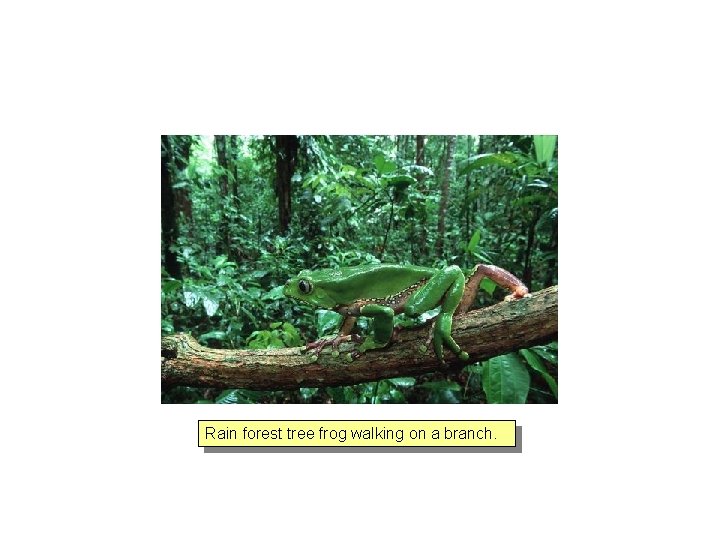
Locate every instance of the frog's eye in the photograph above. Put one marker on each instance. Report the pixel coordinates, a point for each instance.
(305, 286)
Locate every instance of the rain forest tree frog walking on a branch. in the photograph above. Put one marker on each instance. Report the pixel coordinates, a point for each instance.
(381, 291)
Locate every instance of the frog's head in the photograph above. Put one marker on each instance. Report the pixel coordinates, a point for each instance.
(307, 289)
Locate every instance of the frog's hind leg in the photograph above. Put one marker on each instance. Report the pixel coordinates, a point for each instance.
(496, 274)
(445, 289)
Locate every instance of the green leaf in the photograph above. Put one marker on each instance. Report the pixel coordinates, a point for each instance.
(275, 342)
(505, 379)
(403, 382)
(393, 396)
(348, 169)
(475, 369)
(290, 335)
(505, 159)
(228, 396)
(547, 354)
(190, 297)
(258, 339)
(536, 363)
(233, 396)
(544, 148)
(488, 285)
(276, 293)
(533, 361)
(211, 304)
(383, 165)
(472, 244)
(307, 393)
(328, 322)
(215, 334)
(171, 285)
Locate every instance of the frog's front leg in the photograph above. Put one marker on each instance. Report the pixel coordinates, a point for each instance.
(383, 317)
(444, 288)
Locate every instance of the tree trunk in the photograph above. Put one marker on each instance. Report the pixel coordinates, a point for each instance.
(476, 201)
(235, 144)
(223, 160)
(286, 150)
(182, 146)
(422, 188)
(466, 206)
(444, 194)
(483, 333)
(552, 263)
(168, 212)
(527, 270)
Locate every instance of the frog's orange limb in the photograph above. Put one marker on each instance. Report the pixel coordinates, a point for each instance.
(498, 275)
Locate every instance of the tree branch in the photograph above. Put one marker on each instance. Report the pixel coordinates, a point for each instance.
(483, 333)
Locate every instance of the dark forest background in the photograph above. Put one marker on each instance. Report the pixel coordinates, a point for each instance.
(242, 214)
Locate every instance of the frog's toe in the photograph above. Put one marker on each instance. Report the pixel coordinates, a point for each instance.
(518, 296)
(438, 346)
(317, 346)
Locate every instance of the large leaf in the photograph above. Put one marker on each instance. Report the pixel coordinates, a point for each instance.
(535, 362)
(383, 165)
(544, 147)
(211, 303)
(504, 159)
(505, 379)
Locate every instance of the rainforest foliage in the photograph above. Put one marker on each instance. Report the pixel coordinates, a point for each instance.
(242, 214)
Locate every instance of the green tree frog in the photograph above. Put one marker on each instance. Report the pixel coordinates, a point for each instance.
(381, 291)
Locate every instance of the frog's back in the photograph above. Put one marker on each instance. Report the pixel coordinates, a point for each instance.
(373, 280)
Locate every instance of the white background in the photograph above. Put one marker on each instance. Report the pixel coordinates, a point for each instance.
(88, 88)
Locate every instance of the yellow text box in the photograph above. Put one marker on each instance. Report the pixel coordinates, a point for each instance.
(356, 433)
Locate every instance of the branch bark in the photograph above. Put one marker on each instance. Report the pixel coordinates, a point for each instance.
(483, 333)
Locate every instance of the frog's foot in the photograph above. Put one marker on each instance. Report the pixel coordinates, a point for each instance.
(440, 335)
(320, 344)
(518, 293)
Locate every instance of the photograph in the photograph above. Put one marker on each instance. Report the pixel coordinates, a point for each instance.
(362, 269)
